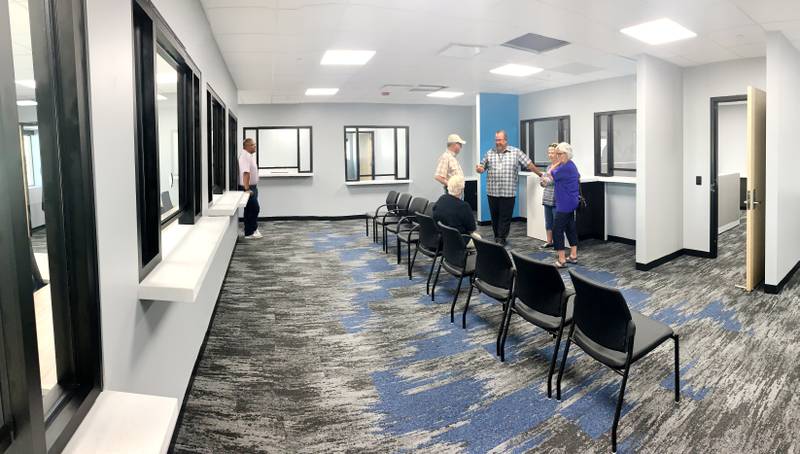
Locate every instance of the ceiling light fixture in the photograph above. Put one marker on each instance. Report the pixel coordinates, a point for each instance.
(161, 97)
(446, 94)
(347, 57)
(26, 103)
(659, 31)
(516, 70)
(27, 83)
(321, 91)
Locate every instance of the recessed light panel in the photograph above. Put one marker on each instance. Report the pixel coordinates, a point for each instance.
(445, 94)
(461, 51)
(347, 57)
(321, 91)
(26, 102)
(27, 83)
(516, 70)
(161, 97)
(660, 31)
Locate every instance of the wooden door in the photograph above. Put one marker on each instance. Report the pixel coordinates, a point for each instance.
(756, 185)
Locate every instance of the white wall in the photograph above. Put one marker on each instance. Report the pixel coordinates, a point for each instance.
(659, 156)
(581, 102)
(732, 130)
(325, 194)
(783, 165)
(700, 84)
(147, 347)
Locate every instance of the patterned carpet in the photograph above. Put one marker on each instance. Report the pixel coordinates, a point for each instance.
(322, 344)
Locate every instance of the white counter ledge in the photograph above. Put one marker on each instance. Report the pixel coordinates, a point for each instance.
(227, 203)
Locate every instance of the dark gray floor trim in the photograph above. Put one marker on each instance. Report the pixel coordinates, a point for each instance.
(670, 257)
(775, 289)
(516, 219)
(309, 218)
(619, 239)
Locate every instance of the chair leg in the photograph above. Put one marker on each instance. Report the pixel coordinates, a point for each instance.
(677, 371)
(375, 230)
(619, 409)
(430, 275)
(563, 362)
(466, 306)
(435, 280)
(383, 231)
(413, 260)
(455, 298)
(553, 363)
(398, 248)
(366, 226)
(501, 345)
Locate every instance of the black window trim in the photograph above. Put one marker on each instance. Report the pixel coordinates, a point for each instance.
(609, 144)
(373, 174)
(61, 73)
(151, 36)
(296, 127)
(215, 148)
(564, 133)
(233, 151)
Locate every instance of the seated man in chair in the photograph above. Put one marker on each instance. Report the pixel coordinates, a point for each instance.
(451, 210)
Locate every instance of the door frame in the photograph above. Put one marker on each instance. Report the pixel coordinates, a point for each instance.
(713, 228)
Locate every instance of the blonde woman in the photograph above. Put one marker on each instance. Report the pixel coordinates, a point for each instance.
(548, 195)
(566, 182)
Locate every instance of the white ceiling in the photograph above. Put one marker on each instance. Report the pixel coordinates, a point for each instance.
(273, 47)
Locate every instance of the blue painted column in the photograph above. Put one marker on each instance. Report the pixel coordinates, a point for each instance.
(495, 111)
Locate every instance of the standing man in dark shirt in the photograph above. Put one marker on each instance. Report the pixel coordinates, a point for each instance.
(454, 212)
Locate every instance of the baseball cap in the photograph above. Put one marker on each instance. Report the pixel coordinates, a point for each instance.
(455, 138)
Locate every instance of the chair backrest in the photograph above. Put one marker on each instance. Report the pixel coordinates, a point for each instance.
(429, 209)
(493, 265)
(391, 200)
(429, 236)
(601, 313)
(539, 285)
(403, 200)
(417, 205)
(454, 250)
(166, 202)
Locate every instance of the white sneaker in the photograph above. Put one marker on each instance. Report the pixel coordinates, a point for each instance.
(255, 235)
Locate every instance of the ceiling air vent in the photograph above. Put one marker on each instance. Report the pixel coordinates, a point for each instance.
(427, 88)
(461, 50)
(531, 42)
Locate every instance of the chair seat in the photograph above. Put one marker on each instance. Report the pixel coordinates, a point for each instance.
(388, 220)
(429, 252)
(497, 293)
(543, 320)
(399, 228)
(468, 270)
(649, 335)
(408, 236)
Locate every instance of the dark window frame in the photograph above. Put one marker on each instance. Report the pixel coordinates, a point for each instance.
(610, 142)
(151, 34)
(357, 153)
(564, 133)
(233, 151)
(63, 114)
(297, 128)
(216, 138)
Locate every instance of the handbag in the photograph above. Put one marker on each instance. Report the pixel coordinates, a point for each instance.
(582, 202)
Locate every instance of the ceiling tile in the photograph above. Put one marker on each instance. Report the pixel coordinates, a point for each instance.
(763, 11)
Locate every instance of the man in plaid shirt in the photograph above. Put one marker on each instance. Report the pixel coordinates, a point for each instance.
(448, 165)
(503, 163)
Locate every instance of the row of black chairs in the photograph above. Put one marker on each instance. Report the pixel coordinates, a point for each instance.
(597, 316)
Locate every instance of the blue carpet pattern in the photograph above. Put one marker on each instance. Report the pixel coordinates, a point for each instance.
(321, 343)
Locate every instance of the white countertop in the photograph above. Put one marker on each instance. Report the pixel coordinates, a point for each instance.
(592, 179)
(183, 268)
(376, 182)
(122, 422)
(227, 203)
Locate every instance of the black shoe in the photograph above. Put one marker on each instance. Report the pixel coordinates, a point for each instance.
(501, 241)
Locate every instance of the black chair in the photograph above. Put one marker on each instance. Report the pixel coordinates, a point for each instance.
(545, 302)
(404, 230)
(393, 216)
(166, 202)
(391, 204)
(608, 331)
(457, 260)
(430, 244)
(494, 276)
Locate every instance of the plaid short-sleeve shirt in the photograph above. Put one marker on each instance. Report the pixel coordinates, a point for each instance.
(448, 166)
(503, 171)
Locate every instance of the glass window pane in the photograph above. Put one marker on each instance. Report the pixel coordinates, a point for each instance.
(625, 141)
(29, 150)
(604, 144)
(366, 141)
(402, 153)
(305, 149)
(351, 162)
(167, 105)
(384, 151)
(545, 132)
(277, 148)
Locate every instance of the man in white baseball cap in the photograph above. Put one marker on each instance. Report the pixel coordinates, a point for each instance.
(448, 165)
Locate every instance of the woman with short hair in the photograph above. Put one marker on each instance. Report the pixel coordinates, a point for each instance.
(566, 183)
(548, 200)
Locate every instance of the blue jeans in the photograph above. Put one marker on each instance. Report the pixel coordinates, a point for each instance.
(251, 211)
(564, 223)
(548, 216)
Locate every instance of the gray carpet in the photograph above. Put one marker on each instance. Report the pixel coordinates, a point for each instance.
(322, 344)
